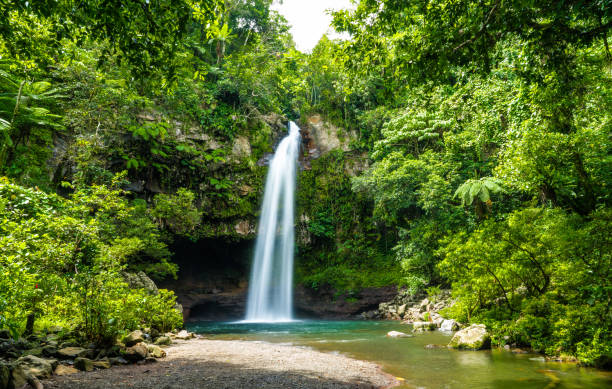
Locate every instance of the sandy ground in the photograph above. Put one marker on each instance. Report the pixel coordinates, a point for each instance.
(201, 363)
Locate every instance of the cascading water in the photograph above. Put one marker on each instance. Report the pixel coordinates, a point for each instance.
(270, 291)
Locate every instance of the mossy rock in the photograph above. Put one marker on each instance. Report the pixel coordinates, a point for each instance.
(474, 337)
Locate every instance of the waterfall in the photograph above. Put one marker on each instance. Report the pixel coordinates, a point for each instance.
(271, 286)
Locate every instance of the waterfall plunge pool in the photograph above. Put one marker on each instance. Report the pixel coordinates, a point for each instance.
(409, 359)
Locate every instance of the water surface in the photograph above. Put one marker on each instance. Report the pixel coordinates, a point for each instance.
(409, 359)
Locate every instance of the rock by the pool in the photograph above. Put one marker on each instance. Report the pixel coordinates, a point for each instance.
(5, 374)
(184, 335)
(419, 326)
(133, 338)
(449, 325)
(29, 369)
(71, 352)
(83, 364)
(475, 337)
(65, 370)
(397, 334)
(102, 364)
(156, 351)
(135, 353)
(163, 341)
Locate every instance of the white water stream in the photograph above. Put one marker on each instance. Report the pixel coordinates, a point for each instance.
(271, 286)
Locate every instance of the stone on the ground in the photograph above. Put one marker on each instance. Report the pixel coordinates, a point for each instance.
(118, 361)
(423, 326)
(49, 350)
(102, 364)
(83, 364)
(133, 338)
(135, 353)
(184, 335)
(474, 337)
(36, 351)
(156, 351)
(449, 325)
(65, 370)
(163, 341)
(71, 352)
(5, 374)
(28, 369)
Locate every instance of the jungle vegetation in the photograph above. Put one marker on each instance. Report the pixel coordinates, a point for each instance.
(482, 128)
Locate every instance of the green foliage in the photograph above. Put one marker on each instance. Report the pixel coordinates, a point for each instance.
(26, 125)
(146, 34)
(64, 258)
(176, 212)
(338, 244)
(477, 190)
(542, 271)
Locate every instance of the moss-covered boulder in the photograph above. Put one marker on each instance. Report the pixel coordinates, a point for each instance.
(474, 337)
(133, 338)
(83, 364)
(163, 341)
(135, 353)
(156, 351)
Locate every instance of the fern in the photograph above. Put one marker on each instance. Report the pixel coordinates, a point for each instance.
(480, 189)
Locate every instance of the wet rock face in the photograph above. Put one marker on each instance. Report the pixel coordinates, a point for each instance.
(322, 136)
(325, 302)
(245, 228)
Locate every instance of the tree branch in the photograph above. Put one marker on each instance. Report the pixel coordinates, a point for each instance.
(479, 32)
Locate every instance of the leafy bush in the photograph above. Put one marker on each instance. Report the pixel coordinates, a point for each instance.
(64, 258)
(540, 277)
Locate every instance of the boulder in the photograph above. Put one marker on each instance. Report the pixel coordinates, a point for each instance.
(449, 325)
(156, 351)
(420, 326)
(29, 369)
(133, 338)
(475, 337)
(184, 335)
(103, 364)
(65, 370)
(163, 341)
(118, 361)
(37, 352)
(71, 352)
(397, 334)
(135, 353)
(5, 374)
(83, 364)
(49, 350)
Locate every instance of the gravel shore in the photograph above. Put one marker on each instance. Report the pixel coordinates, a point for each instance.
(202, 363)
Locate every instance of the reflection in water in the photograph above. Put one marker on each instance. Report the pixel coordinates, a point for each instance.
(472, 359)
(408, 358)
